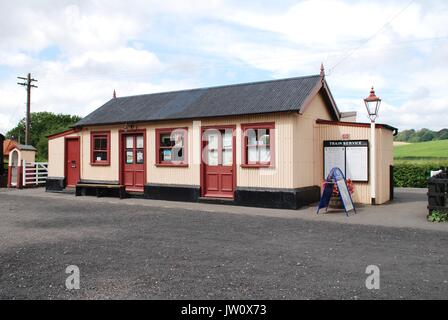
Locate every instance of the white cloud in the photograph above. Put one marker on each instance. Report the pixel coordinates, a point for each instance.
(146, 46)
(107, 63)
(398, 60)
(321, 22)
(18, 60)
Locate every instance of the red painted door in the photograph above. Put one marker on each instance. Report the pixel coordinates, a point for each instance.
(134, 162)
(218, 163)
(72, 162)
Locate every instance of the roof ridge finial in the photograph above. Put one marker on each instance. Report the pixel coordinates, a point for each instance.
(114, 95)
(322, 70)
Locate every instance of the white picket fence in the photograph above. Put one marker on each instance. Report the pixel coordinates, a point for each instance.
(34, 173)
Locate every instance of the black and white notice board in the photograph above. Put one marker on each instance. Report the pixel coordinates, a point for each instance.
(351, 156)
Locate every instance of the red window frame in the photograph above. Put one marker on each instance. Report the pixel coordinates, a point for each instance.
(244, 145)
(97, 134)
(160, 162)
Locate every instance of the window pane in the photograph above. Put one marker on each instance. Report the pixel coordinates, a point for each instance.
(129, 142)
(177, 154)
(227, 139)
(100, 143)
(103, 143)
(165, 140)
(97, 143)
(129, 157)
(139, 141)
(178, 138)
(166, 155)
(263, 135)
(252, 154)
(100, 156)
(265, 154)
(251, 137)
(213, 140)
(227, 157)
(139, 156)
(212, 159)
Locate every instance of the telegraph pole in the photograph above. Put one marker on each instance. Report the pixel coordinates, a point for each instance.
(28, 84)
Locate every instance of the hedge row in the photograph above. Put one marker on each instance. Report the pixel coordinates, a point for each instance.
(413, 175)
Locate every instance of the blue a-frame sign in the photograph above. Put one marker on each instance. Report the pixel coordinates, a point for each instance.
(336, 177)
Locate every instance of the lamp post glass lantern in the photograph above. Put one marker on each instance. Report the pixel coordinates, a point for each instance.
(372, 103)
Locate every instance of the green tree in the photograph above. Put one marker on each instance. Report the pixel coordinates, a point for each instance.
(422, 135)
(428, 136)
(442, 134)
(42, 124)
(405, 135)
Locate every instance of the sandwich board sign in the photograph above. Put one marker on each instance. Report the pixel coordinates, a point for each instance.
(336, 177)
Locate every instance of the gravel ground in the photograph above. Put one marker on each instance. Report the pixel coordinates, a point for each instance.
(135, 252)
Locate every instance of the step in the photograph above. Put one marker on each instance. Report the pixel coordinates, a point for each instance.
(135, 194)
(214, 200)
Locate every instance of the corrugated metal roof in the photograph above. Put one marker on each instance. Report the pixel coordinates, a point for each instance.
(248, 98)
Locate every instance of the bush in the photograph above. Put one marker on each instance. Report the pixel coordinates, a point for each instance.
(414, 175)
(438, 216)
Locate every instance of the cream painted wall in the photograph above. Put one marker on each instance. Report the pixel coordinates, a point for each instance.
(308, 151)
(278, 177)
(173, 175)
(305, 140)
(102, 173)
(26, 155)
(154, 174)
(385, 154)
(384, 148)
(56, 156)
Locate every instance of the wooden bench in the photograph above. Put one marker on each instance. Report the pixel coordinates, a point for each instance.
(101, 189)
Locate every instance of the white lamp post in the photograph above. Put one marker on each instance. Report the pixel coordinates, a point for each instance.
(372, 103)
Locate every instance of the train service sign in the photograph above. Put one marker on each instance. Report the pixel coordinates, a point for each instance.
(351, 156)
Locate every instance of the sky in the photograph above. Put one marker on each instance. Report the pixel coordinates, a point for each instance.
(80, 51)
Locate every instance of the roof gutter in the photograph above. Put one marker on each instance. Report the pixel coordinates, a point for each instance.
(357, 124)
(63, 133)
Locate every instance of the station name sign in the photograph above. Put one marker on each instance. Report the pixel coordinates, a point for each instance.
(346, 143)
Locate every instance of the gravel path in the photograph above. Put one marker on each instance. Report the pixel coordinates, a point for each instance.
(132, 251)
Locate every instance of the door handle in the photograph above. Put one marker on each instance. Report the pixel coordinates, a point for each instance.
(73, 164)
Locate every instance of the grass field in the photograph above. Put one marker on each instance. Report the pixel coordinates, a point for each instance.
(434, 151)
(413, 162)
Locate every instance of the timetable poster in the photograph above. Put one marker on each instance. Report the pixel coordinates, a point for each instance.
(351, 156)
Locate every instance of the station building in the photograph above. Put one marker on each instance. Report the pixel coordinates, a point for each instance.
(256, 144)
